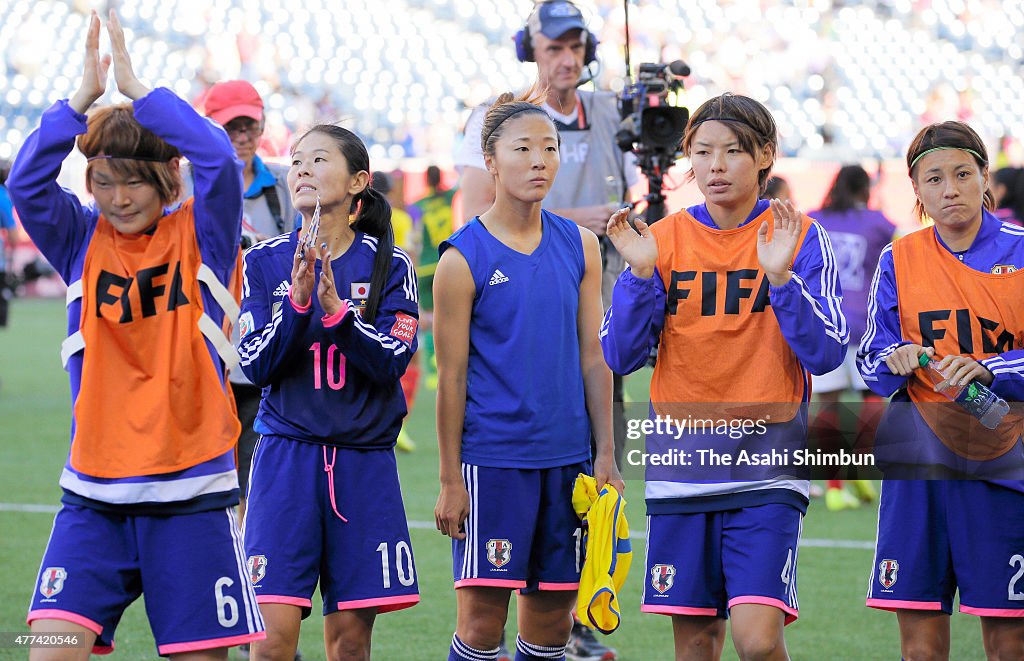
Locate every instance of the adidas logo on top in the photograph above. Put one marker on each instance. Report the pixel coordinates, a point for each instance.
(282, 289)
(498, 277)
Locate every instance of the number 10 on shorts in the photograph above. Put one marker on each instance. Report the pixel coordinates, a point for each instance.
(403, 564)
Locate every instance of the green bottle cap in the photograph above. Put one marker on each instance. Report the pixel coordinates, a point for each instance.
(923, 359)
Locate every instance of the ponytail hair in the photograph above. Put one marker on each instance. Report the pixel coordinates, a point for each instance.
(375, 219)
(373, 212)
(506, 106)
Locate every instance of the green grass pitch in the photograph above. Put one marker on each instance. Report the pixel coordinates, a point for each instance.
(834, 624)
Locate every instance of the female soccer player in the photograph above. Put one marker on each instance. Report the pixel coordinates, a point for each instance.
(150, 482)
(521, 384)
(741, 297)
(953, 292)
(328, 327)
(858, 235)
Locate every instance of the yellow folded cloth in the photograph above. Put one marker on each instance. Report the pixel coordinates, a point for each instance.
(608, 552)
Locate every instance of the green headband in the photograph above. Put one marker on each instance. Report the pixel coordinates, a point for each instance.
(933, 149)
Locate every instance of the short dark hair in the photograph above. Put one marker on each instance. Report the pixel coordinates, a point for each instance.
(949, 135)
(433, 176)
(113, 131)
(773, 186)
(751, 123)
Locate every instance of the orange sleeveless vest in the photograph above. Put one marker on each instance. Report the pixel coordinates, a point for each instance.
(960, 311)
(151, 400)
(721, 347)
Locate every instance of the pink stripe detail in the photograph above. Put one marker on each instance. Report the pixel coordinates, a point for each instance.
(211, 644)
(66, 616)
(678, 610)
(296, 306)
(558, 586)
(384, 604)
(329, 469)
(791, 613)
(489, 582)
(992, 612)
(335, 319)
(281, 599)
(895, 604)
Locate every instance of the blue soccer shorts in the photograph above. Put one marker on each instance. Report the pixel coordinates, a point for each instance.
(938, 536)
(197, 589)
(521, 532)
(704, 563)
(329, 515)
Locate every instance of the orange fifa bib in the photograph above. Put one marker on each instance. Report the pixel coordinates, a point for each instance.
(722, 354)
(151, 399)
(959, 311)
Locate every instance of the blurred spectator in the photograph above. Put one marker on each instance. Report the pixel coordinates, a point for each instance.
(434, 214)
(1008, 190)
(268, 210)
(858, 236)
(777, 187)
(402, 225)
(7, 240)
(401, 222)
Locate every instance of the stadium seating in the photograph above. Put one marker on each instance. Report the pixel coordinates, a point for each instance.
(852, 77)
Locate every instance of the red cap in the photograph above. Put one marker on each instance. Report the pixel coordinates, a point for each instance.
(234, 98)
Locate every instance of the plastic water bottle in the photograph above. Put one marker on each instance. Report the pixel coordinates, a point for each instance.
(613, 190)
(988, 407)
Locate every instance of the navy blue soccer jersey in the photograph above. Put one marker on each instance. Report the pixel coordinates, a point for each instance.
(328, 381)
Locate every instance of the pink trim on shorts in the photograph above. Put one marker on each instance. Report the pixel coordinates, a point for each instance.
(489, 583)
(895, 604)
(210, 643)
(678, 610)
(992, 612)
(66, 616)
(791, 613)
(383, 604)
(558, 586)
(281, 599)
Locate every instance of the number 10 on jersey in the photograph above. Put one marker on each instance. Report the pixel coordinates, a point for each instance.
(334, 366)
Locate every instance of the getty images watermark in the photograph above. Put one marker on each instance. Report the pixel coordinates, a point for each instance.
(720, 433)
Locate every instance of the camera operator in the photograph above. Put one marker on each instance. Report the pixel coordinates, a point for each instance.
(594, 175)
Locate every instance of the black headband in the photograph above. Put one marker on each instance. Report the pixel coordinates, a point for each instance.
(151, 159)
(725, 119)
(512, 114)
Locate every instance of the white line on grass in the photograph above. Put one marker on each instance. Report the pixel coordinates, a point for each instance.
(429, 525)
(23, 507)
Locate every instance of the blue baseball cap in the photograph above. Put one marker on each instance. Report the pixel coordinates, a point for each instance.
(555, 18)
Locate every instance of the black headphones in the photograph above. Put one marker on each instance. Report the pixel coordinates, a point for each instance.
(524, 44)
